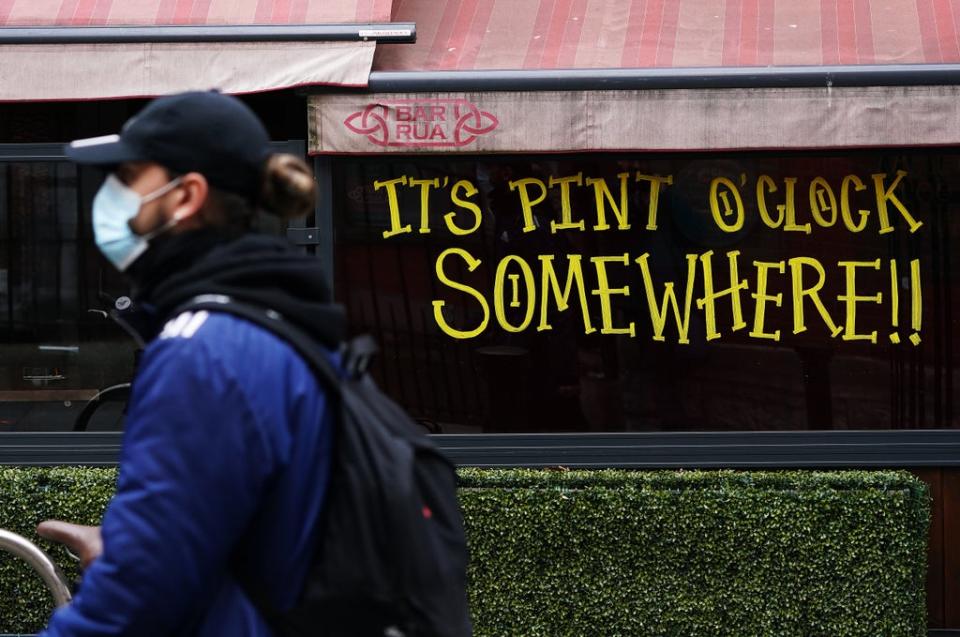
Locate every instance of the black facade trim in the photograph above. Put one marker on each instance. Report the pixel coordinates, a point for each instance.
(663, 78)
(32, 152)
(323, 173)
(55, 152)
(392, 32)
(712, 450)
(654, 450)
(45, 449)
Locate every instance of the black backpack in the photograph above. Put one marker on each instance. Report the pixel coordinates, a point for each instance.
(392, 556)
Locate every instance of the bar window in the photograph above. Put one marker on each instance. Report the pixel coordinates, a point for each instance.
(656, 293)
(58, 349)
(65, 364)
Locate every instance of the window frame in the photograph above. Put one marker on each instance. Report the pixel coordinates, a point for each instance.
(637, 450)
(677, 450)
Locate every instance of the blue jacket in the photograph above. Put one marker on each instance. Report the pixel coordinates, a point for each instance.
(224, 467)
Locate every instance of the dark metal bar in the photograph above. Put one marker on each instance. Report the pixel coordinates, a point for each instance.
(32, 152)
(654, 450)
(392, 32)
(323, 173)
(650, 450)
(10, 244)
(665, 78)
(42, 449)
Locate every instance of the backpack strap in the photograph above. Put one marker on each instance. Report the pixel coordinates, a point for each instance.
(324, 370)
(356, 355)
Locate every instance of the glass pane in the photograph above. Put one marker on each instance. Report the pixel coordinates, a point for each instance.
(58, 349)
(688, 292)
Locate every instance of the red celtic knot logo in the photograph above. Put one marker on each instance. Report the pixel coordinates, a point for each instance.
(472, 121)
(429, 123)
(373, 124)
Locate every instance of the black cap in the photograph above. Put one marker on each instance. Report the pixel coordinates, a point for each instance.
(207, 132)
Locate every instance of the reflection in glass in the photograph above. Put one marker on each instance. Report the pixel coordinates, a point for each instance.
(57, 346)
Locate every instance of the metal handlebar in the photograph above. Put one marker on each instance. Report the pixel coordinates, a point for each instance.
(114, 393)
(40, 562)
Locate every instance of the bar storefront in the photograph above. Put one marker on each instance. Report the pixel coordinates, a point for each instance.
(605, 238)
(688, 277)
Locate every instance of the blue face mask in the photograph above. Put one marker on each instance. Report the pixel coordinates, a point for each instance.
(113, 207)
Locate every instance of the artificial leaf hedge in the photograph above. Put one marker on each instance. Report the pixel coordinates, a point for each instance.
(577, 553)
(697, 553)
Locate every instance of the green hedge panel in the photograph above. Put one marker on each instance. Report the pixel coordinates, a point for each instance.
(696, 553)
(27, 497)
(574, 553)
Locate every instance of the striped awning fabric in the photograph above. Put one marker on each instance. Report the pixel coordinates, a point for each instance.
(546, 34)
(467, 35)
(36, 72)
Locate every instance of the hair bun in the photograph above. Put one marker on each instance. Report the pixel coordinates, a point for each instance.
(289, 189)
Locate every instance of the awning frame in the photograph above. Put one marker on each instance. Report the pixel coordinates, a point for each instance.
(382, 32)
(664, 78)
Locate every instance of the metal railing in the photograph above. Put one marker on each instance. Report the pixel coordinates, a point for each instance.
(49, 572)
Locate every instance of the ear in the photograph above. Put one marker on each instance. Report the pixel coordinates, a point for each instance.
(190, 197)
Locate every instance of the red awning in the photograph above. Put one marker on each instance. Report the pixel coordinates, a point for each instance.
(34, 72)
(546, 34)
(475, 35)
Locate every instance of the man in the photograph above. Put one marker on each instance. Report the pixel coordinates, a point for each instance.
(227, 444)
